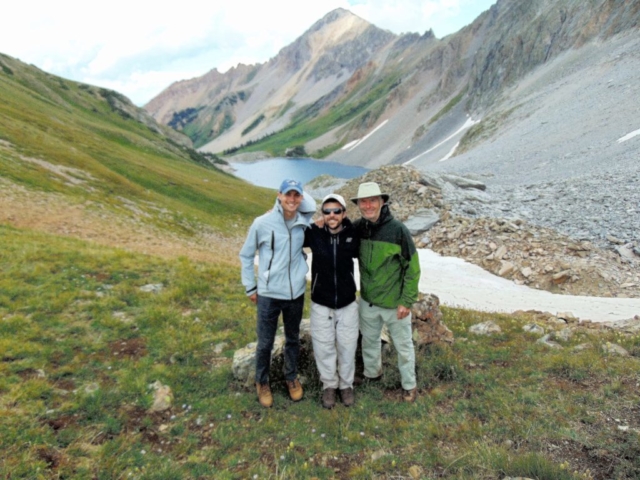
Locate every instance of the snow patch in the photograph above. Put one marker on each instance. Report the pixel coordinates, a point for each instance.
(350, 144)
(370, 133)
(468, 124)
(450, 154)
(629, 136)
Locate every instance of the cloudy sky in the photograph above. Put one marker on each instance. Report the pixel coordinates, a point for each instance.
(138, 47)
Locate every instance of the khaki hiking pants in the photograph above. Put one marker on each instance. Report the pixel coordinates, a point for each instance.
(372, 319)
(334, 334)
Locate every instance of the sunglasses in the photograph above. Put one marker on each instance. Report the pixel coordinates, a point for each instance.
(329, 211)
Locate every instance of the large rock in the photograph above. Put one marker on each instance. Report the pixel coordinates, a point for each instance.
(244, 359)
(485, 328)
(427, 322)
(422, 221)
(162, 397)
(463, 182)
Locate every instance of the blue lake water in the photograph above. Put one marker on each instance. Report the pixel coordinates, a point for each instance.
(270, 173)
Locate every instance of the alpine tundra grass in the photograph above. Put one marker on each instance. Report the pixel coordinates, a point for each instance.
(82, 342)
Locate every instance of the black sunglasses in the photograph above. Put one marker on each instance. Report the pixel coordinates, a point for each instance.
(329, 211)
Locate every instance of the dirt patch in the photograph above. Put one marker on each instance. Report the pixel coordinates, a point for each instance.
(133, 348)
(65, 384)
(341, 464)
(29, 373)
(60, 423)
(51, 457)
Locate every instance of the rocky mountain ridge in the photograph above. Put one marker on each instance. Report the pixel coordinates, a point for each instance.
(344, 79)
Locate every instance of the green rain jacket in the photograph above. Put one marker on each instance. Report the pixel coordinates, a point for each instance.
(389, 264)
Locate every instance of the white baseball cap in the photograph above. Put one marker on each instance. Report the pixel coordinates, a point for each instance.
(336, 198)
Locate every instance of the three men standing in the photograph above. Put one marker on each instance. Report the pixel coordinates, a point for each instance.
(389, 276)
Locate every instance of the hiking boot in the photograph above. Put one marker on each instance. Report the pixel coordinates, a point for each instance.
(347, 396)
(295, 389)
(410, 395)
(329, 398)
(264, 394)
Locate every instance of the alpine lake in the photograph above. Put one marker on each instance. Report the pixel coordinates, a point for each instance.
(271, 172)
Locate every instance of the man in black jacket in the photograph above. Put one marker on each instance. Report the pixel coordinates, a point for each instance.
(334, 311)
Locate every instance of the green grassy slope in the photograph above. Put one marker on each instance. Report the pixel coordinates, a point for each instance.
(81, 345)
(60, 123)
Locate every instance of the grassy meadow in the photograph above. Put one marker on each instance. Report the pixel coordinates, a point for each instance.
(81, 344)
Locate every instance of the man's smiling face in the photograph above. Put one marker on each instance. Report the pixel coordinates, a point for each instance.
(290, 202)
(370, 207)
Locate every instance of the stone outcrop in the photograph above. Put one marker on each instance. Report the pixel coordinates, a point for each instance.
(244, 359)
(427, 323)
(162, 397)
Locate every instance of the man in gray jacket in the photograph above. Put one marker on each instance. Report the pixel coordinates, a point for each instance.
(278, 237)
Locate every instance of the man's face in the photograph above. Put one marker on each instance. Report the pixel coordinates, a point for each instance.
(290, 202)
(333, 214)
(370, 207)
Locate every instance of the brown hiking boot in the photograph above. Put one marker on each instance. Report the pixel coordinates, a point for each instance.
(410, 396)
(295, 389)
(329, 398)
(264, 394)
(347, 396)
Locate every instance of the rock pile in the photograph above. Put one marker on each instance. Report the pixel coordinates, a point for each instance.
(535, 256)
(441, 210)
(428, 328)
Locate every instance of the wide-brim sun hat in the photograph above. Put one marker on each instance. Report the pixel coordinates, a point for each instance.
(334, 197)
(369, 189)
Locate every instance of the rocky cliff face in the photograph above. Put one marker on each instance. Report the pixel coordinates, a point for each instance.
(523, 35)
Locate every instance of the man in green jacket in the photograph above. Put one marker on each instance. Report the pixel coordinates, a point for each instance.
(389, 276)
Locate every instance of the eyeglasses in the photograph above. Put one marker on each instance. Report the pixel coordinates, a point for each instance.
(329, 211)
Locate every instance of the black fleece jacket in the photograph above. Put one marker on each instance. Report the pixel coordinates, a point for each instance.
(332, 282)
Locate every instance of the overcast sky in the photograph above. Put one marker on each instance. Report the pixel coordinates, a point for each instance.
(138, 47)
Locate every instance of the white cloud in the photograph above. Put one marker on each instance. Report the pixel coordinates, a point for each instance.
(141, 47)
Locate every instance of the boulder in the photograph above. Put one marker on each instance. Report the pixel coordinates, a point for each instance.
(533, 328)
(244, 359)
(485, 328)
(427, 322)
(462, 182)
(422, 221)
(162, 397)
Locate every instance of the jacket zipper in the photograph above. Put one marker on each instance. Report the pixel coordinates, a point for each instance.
(334, 241)
(273, 252)
(290, 259)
